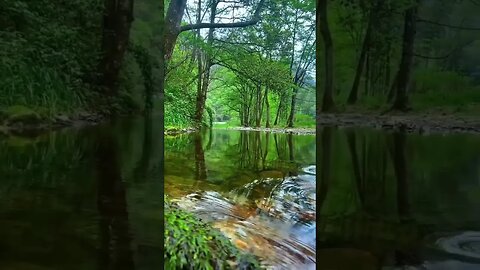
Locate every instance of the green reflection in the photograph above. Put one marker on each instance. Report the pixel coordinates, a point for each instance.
(85, 198)
(222, 160)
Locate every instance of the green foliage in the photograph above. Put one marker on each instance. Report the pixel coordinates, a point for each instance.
(193, 244)
(144, 62)
(46, 59)
(180, 89)
(304, 120)
(49, 57)
(444, 70)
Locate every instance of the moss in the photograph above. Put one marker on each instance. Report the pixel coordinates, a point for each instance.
(193, 244)
(21, 114)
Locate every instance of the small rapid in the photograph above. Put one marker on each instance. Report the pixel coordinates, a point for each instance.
(278, 224)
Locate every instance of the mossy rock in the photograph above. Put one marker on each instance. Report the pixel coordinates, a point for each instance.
(193, 244)
(21, 115)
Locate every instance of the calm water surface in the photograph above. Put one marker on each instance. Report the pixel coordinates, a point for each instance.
(81, 199)
(90, 198)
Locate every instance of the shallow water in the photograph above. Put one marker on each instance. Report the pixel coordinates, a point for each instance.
(252, 186)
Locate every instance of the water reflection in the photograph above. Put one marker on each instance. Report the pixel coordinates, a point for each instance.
(386, 198)
(75, 199)
(115, 244)
(224, 160)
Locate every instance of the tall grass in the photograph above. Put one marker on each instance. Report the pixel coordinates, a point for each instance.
(38, 87)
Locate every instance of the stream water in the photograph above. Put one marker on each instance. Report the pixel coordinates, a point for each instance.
(90, 198)
(257, 188)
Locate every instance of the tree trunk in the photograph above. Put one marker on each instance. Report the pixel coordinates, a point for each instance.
(267, 105)
(353, 96)
(240, 115)
(291, 116)
(277, 116)
(328, 104)
(198, 104)
(387, 67)
(117, 19)
(258, 111)
(175, 12)
(404, 72)
(202, 95)
(367, 74)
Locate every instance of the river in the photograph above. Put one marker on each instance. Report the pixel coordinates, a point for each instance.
(90, 198)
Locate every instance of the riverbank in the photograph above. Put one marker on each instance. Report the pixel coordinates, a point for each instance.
(174, 131)
(296, 131)
(412, 123)
(19, 120)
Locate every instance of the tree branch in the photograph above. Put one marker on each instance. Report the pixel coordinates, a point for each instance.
(444, 56)
(449, 26)
(255, 19)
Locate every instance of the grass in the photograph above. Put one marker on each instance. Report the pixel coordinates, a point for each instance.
(229, 124)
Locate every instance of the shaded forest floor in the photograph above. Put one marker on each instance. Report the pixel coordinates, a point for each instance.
(422, 123)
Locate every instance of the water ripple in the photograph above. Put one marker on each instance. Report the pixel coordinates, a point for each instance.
(279, 227)
(464, 244)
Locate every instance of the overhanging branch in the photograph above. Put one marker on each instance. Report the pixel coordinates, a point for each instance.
(255, 19)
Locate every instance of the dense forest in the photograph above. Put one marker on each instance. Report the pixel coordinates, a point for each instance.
(255, 68)
(75, 58)
(386, 55)
(251, 62)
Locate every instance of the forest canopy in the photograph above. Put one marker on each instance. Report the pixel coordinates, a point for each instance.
(254, 75)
